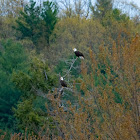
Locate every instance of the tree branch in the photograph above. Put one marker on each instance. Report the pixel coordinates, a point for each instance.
(46, 75)
(74, 60)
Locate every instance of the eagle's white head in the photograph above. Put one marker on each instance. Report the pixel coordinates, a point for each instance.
(61, 78)
(74, 49)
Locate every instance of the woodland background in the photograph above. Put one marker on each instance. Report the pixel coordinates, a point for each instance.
(102, 100)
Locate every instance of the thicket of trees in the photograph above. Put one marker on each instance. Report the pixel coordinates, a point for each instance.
(102, 100)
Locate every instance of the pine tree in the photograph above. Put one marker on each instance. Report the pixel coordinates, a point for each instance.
(12, 58)
(29, 22)
(101, 8)
(37, 22)
(35, 83)
(49, 15)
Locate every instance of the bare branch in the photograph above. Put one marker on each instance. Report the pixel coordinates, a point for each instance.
(74, 60)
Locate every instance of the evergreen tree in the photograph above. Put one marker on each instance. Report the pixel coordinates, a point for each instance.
(35, 83)
(101, 8)
(37, 23)
(12, 58)
(49, 15)
(28, 22)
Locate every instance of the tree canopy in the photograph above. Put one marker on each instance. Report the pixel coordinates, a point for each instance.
(101, 100)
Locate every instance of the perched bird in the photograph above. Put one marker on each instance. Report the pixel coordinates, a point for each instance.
(62, 82)
(78, 54)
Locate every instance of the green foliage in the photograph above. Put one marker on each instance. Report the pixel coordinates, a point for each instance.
(37, 76)
(114, 18)
(12, 58)
(115, 23)
(101, 8)
(119, 16)
(49, 15)
(35, 83)
(37, 23)
(28, 82)
(72, 33)
(6, 30)
(27, 116)
(63, 67)
(28, 22)
(103, 79)
(30, 117)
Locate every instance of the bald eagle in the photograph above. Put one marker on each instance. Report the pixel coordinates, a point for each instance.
(62, 82)
(78, 54)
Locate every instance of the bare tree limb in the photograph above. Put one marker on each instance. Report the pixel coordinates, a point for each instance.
(73, 61)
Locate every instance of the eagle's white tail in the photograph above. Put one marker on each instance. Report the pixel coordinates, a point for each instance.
(81, 57)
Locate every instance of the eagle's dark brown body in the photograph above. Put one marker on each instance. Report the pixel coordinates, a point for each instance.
(79, 54)
(63, 83)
